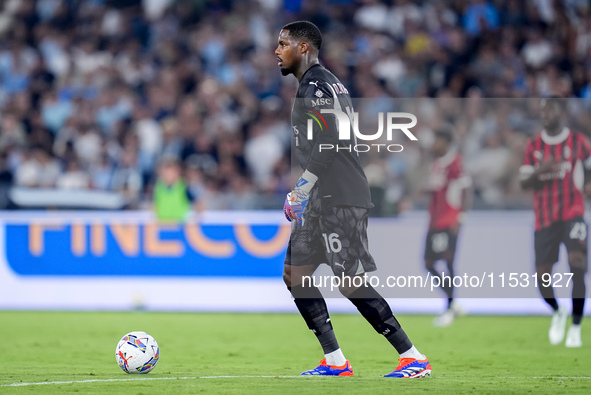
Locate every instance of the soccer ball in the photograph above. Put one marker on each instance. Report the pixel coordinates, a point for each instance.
(137, 352)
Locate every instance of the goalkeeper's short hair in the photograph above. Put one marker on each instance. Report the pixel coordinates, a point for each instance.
(307, 30)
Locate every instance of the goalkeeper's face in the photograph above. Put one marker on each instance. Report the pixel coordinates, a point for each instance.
(288, 53)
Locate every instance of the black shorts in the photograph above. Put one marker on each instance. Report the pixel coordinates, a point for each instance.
(440, 244)
(336, 236)
(573, 233)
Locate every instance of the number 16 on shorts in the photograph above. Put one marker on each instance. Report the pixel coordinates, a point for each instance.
(332, 243)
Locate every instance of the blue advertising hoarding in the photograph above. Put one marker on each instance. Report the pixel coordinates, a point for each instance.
(115, 248)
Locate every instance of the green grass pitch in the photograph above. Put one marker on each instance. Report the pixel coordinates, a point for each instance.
(479, 354)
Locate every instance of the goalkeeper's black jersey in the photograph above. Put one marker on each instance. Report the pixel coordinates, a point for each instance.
(341, 180)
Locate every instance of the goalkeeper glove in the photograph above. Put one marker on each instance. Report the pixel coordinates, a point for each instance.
(299, 197)
(287, 210)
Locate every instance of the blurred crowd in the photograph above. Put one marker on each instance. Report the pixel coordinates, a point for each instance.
(94, 93)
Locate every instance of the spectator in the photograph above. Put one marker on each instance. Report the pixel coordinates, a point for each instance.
(537, 50)
(73, 178)
(5, 182)
(172, 197)
(262, 151)
(127, 178)
(37, 170)
(489, 171)
(480, 15)
(12, 132)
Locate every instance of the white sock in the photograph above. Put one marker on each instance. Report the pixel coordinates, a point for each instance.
(412, 353)
(335, 358)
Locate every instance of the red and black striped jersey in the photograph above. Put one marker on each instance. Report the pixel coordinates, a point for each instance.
(446, 182)
(558, 196)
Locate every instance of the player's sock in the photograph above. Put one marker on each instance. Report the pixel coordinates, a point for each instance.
(578, 307)
(312, 307)
(412, 353)
(328, 342)
(548, 294)
(449, 302)
(579, 290)
(377, 312)
(446, 286)
(335, 358)
(552, 302)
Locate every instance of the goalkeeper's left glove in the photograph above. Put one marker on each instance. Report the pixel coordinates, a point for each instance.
(287, 210)
(298, 198)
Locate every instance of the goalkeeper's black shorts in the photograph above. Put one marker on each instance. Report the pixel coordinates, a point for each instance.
(336, 236)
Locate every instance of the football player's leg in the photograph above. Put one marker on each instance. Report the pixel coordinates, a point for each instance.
(575, 240)
(547, 243)
(577, 261)
(559, 316)
(437, 248)
(546, 290)
(350, 257)
(448, 287)
(453, 307)
(449, 256)
(312, 307)
(374, 308)
(304, 254)
(447, 317)
(430, 266)
(578, 267)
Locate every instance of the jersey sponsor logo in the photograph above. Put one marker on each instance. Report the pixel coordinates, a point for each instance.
(315, 83)
(321, 102)
(559, 173)
(318, 93)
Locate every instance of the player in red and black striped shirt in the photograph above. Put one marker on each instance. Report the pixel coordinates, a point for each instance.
(554, 166)
(449, 189)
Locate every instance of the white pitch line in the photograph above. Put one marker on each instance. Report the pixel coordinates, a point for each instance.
(565, 377)
(253, 377)
(95, 381)
(139, 379)
(236, 377)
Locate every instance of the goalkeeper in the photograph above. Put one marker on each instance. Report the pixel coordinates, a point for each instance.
(329, 208)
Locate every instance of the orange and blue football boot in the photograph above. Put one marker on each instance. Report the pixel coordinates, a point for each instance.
(330, 370)
(410, 368)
